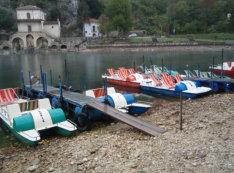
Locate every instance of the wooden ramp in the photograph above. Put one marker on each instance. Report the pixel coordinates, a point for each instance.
(77, 99)
(128, 119)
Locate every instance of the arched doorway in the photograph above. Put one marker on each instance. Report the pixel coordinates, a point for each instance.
(5, 48)
(30, 41)
(18, 43)
(42, 42)
(64, 46)
(53, 47)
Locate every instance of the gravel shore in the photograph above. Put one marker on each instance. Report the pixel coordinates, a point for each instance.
(206, 143)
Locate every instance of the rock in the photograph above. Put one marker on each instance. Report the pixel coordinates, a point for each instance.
(35, 161)
(32, 168)
(94, 150)
(51, 169)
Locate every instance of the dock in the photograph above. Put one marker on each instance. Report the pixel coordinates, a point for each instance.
(79, 100)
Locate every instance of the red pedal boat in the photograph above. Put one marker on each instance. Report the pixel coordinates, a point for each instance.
(228, 69)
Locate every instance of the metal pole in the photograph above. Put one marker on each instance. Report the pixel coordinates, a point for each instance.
(65, 71)
(51, 79)
(84, 83)
(179, 68)
(68, 80)
(198, 68)
(212, 73)
(60, 87)
(170, 67)
(181, 107)
(222, 65)
(22, 79)
(41, 73)
(188, 70)
(162, 66)
(151, 62)
(45, 83)
(30, 80)
(105, 89)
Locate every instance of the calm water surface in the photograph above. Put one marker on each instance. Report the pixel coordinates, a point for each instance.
(93, 65)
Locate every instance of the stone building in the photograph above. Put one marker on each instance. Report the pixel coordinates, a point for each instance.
(33, 29)
(91, 28)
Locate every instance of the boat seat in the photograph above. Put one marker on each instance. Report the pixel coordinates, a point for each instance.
(42, 119)
(44, 104)
(119, 100)
(13, 111)
(90, 93)
(111, 90)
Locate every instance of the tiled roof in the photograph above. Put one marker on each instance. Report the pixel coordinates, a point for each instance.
(28, 7)
(50, 23)
(92, 20)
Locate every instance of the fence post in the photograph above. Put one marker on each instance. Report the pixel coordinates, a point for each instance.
(181, 107)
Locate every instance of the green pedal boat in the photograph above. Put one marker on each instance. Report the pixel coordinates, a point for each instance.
(28, 118)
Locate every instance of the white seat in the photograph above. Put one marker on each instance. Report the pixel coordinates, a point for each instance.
(44, 104)
(13, 111)
(111, 90)
(90, 93)
(42, 119)
(67, 126)
(119, 100)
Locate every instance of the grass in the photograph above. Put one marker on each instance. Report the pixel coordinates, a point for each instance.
(210, 41)
(173, 39)
(141, 40)
(212, 36)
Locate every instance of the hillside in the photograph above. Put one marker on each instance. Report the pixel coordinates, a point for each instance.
(157, 17)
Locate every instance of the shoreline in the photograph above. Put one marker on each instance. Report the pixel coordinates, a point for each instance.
(128, 49)
(204, 145)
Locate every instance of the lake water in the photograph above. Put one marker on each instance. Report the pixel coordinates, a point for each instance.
(93, 65)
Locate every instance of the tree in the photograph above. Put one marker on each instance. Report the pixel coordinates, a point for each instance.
(119, 15)
(82, 13)
(95, 7)
(6, 20)
(54, 14)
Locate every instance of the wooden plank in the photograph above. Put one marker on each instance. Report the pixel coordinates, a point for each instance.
(128, 119)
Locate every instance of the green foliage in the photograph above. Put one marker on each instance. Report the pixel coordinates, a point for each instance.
(83, 13)
(6, 20)
(119, 15)
(54, 14)
(95, 8)
(39, 3)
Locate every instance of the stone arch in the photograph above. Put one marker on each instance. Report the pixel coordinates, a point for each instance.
(42, 42)
(30, 41)
(64, 46)
(6, 48)
(54, 47)
(17, 43)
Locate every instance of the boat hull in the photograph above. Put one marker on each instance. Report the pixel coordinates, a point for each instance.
(123, 83)
(229, 73)
(134, 109)
(169, 92)
(21, 138)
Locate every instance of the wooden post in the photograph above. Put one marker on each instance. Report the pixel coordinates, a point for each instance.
(181, 107)
(222, 65)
